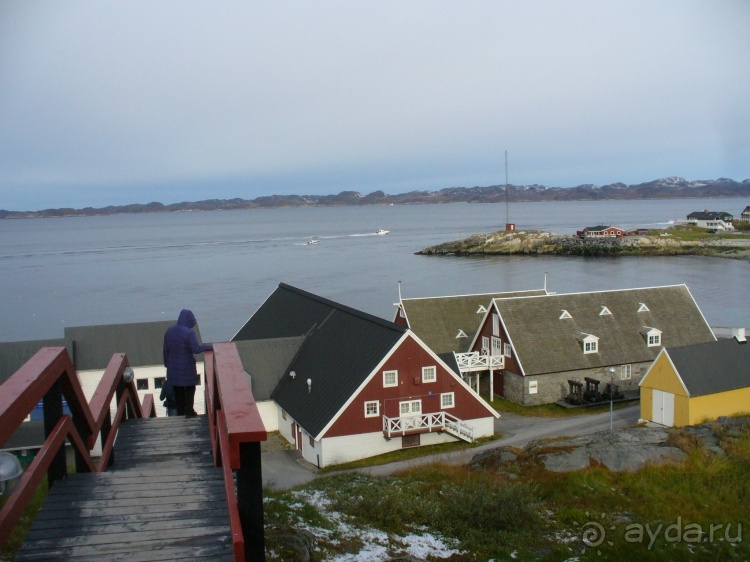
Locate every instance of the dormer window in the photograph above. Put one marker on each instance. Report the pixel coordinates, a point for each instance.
(605, 312)
(589, 343)
(643, 308)
(565, 314)
(461, 334)
(652, 336)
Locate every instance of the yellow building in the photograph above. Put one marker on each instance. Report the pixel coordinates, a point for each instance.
(696, 383)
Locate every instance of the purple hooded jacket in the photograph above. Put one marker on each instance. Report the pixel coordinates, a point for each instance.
(180, 346)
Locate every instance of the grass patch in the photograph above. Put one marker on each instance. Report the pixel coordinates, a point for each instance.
(10, 548)
(686, 511)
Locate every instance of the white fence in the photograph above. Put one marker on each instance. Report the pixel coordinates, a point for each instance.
(440, 421)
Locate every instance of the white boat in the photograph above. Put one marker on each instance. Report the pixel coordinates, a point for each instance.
(381, 232)
(312, 241)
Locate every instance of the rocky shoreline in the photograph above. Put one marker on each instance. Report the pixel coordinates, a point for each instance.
(546, 243)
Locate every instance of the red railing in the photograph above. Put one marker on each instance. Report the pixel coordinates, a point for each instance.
(236, 432)
(49, 375)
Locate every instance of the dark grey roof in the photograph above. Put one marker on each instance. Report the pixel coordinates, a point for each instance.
(711, 367)
(437, 320)
(266, 361)
(342, 346)
(14, 354)
(544, 343)
(143, 342)
(710, 215)
(597, 228)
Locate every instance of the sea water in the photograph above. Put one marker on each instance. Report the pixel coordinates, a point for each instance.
(223, 264)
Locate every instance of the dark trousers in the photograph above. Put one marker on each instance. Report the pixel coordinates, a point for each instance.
(185, 396)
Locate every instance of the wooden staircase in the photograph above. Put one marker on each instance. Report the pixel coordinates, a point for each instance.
(161, 499)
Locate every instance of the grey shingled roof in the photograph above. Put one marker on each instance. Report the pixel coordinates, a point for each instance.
(14, 354)
(544, 343)
(342, 346)
(437, 320)
(711, 367)
(266, 361)
(143, 342)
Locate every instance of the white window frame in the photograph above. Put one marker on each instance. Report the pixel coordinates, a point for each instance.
(507, 350)
(374, 414)
(626, 372)
(533, 387)
(496, 345)
(591, 346)
(653, 336)
(450, 397)
(565, 314)
(386, 384)
(425, 374)
(413, 408)
(495, 324)
(485, 345)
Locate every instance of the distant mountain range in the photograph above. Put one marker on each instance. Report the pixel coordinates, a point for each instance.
(666, 188)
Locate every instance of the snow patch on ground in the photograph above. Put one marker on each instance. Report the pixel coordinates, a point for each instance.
(376, 545)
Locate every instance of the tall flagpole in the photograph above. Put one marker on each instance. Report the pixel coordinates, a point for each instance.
(507, 216)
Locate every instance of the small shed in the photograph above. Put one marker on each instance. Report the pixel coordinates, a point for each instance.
(691, 384)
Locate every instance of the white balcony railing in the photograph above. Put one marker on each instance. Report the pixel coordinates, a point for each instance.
(439, 421)
(474, 361)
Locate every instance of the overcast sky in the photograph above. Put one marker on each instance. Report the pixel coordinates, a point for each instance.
(131, 102)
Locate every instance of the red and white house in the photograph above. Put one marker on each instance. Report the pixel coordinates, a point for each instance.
(359, 386)
(601, 231)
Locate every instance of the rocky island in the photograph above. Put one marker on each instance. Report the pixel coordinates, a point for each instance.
(671, 242)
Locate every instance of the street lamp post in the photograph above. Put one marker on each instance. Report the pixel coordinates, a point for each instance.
(611, 394)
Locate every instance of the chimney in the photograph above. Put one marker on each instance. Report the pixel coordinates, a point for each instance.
(309, 385)
(739, 334)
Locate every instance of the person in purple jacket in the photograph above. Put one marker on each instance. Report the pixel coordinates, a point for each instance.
(180, 347)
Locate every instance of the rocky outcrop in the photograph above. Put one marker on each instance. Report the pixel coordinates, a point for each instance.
(624, 450)
(545, 243)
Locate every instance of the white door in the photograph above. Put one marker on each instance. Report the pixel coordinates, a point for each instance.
(663, 408)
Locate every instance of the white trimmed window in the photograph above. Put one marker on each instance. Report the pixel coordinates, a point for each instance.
(605, 312)
(643, 308)
(652, 336)
(390, 378)
(589, 343)
(495, 325)
(447, 400)
(372, 409)
(507, 350)
(461, 334)
(485, 345)
(533, 387)
(565, 314)
(410, 408)
(626, 372)
(429, 374)
(497, 346)
(481, 310)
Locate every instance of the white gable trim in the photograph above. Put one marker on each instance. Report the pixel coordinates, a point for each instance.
(378, 368)
(643, 308)
(461, 334)
(605, 311)
(512, 345)
(699, 310)
(400, 309)
(455, 375)
(481, 325)
(482, 309)
(364, 383)
(674, 369)
(565, 315)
